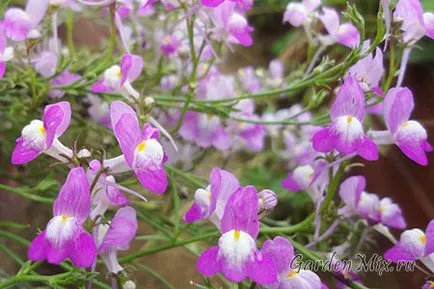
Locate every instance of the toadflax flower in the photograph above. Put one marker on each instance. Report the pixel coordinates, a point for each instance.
(369, 206)
(346, 133)
(21, 24)
(105, 196)
(298, 14)
(244, 4)
(414, 25)
(117, 236)
(413, 245)
(65, 236)
(42, 136)
(282, 252)
(142, 152)
(119, 78)
(230, 26)
(369, 70)
(345, 34)
(211, 202)
(408, 135)
(6, 52)
(64, 79)
(236, 255)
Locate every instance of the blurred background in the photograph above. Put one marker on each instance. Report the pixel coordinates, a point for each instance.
(394, 175)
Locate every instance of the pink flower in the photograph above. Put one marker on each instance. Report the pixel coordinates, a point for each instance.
(231, 26)
(236, 255)
(6, 52)
(369, 70)
(413, 245)
(142, 152)
(46, 64)
(346, 133)
(298, 14)
(20, 24)
(210, 203)
(369, 206)
(106, 196)
(117, 236)
(65, 236)
(415, 23)
(345, 34)
(169, 45)
(408, 135)
(64, 79)
(119, 78)
(244, 4)
(42, 136)
(282, 253)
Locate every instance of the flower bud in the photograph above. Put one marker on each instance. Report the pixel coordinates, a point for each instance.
(129, 285)
(84, 154)
(267, 200)
(149, 101)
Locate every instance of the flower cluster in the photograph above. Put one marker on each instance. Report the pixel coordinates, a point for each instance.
(157, 108)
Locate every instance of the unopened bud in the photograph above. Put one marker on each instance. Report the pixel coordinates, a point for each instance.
(149, 101)
(129, 285)
(84, 154)
(267, 200)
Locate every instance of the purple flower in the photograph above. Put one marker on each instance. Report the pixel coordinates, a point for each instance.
(65, 236)
(142, 151)
(205, 130)
(251, 135)
(169, 45)
(249, 80)
(408, 135)
(345, 34)
(211, 202)
(298, 14)
(369, 206)
(6, 52)
(428, 285)
(99, 110)
(244, 4)
(236, 255)
(282, 253)
(308, 178)
(369, 70)
(106, 196)
(119, 78)
(346, 133)
(415, 24)
(20, 24)
(46, 64)
(117, 237)
(42, 136)
(231, 26)
(64, 79)
(413, 245)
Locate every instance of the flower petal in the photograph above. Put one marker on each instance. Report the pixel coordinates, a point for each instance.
(350, 100)
(122, 231)
(22, 153)
(83, 253)
(398, 105)
(241, 212)
(74, 196)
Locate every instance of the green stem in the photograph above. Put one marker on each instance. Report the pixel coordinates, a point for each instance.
(149, 251)
(69, 29)
(22, 193)
(33, 278)
(305, 225)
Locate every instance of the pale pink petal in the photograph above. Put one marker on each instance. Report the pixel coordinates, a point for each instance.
(398, 105)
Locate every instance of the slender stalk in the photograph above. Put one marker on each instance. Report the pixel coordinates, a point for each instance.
(33, 278)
